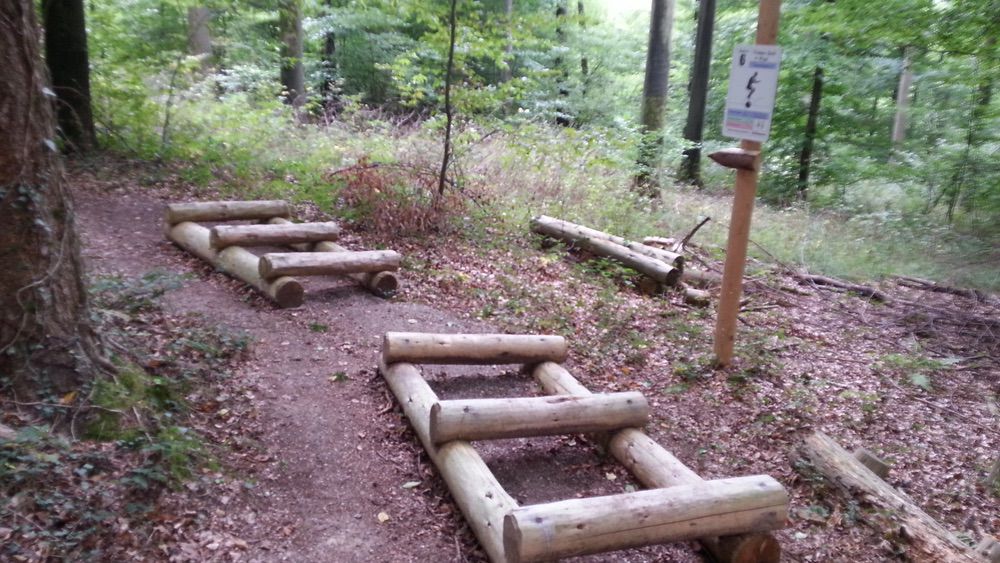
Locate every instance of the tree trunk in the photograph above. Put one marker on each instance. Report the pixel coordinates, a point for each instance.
(508, 11)
(47, 345)
(446, 156)
(200, 34)
(903, 98)
(69, 67)
(293, 77)
(329, 87)
(584, 61)
(701, 68)
(805, 157)
(654, 94)
(562, 111)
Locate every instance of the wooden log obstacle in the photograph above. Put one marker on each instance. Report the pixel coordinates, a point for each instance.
(732, 518)
(661, 266)
(271, 274)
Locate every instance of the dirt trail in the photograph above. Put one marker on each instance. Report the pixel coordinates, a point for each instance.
(336, 451)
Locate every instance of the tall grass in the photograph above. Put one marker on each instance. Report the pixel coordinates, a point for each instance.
(253, 147)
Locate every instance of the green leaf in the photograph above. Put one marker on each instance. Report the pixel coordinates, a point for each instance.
(921, 380)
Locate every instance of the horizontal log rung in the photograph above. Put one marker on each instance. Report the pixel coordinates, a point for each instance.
(472, 349)
(328, 263)
(566, 528)
(273, 234)
(202, 211)
(492, 419)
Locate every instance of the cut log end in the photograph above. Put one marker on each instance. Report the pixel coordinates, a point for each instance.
(288, 293)
(748, 548)
(382, 284)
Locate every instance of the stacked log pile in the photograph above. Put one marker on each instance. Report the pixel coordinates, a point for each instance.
(223, 247)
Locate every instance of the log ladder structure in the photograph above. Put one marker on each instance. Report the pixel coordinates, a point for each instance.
(271, 274)
(732, 518)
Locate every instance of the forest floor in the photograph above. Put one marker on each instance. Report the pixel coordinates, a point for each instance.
(318, 462)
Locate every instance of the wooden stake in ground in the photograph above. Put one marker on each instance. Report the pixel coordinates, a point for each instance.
(739, 224)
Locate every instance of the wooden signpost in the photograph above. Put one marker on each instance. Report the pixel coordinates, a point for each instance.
(746, 161)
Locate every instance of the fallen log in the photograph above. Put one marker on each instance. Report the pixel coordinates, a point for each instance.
(273, 265)
(382, 284)
(934, 287)
(544, 532)
(237, 262)
(701, 278)
(863, 290)
(571, 232)
(472, 349)
(696, 297)
(989, 548)
(926, 538)
(199, 211)
(482, 499)
(655, 467)
(264, 235)
(492, 419)
(873, 462)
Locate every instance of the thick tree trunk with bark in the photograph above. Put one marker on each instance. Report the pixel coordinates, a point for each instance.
(654, 93)
(694, 128)
(69, 67)
(200, 34)
(293, 76)
(805, 157)
(47, 345)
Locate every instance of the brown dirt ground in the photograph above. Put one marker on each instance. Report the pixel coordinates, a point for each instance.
(331, 452)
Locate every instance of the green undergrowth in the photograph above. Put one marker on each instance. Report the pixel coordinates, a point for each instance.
(103, 454)
(362, 167)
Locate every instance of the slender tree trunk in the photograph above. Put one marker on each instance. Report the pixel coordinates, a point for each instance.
(200, 34)
(903, 98)
(584, 62)
(805, 157)
(47, 345)
(445, 159)
(562, 82)
(66, 55)
(508, 11)
(701, 67)
(654, 93)
(293, 77)
(329, 87)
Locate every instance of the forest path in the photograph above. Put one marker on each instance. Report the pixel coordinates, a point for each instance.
(331, 451)
(323, 482)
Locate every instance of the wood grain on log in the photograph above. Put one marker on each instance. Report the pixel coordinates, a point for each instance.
(877, 465)
(571, 232)
(237, 262)
(382, 284)
(696, 297)
(491, 419)
(274, 265)
(925, 538)
(226, 210)
(472, 349)
(548, 531)
(264, 235)
(655, 467)
(476, 491)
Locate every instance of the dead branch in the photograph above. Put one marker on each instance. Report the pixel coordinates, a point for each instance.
(825, 282)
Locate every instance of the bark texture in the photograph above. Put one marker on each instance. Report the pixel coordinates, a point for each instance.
(200, 34)
(654, 92)
(805, 157)
(69, 67)
(293, 76)
(47, 345)
(694, 128)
